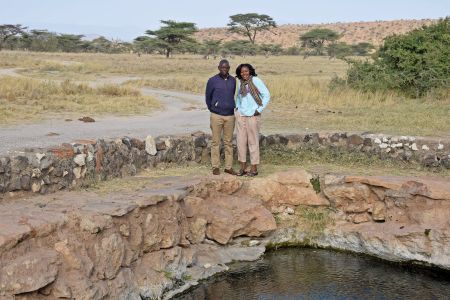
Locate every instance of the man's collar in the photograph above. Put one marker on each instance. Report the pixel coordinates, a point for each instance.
(226, 77)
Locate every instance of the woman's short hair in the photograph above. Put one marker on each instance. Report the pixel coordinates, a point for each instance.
(250, 68)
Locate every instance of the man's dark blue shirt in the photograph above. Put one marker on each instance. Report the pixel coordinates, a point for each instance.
(220, 95)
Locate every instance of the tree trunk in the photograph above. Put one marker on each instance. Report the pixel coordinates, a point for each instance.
(254, 37)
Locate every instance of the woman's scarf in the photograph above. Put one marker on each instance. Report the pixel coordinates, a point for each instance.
(252, 88)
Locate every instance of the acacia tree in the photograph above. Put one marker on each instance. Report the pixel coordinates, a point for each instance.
(363, 48)
(173, 34)
(71, 42)
(250, 24)
(316, 39)
(270, 49)
(239, 47)
(339, 50)
(40, 40)
(100, 44)
(211, 47)
(9, 30)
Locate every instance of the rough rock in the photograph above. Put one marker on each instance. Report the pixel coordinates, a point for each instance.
(150, 145)
(109, 255)
(224, 184)
(137, 143)
(264, 189)
(86, 119)
(356, 195)
(292, 177)
(198, 230)
(75, 257)
(359, 218)
(355, 140)
(80, 159)
(432, 188)
(29, 272)
(230, 216)
(95, 223)
(379, 211)
(289, 187)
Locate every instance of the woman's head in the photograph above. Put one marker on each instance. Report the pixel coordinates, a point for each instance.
(244, 71)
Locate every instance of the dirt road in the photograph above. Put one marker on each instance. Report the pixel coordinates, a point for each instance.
(183, 113)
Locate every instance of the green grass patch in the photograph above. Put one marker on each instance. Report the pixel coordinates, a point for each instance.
(321, 161)
(314, 220)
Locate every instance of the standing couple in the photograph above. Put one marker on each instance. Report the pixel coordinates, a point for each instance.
(245, 109)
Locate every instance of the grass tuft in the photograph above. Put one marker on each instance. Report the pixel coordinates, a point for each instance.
(315, 182)
(313, 219)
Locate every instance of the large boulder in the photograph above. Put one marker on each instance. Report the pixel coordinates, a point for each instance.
(229, 216)
(109, 253)
(350, 197)
(291, 187)
(29, 272)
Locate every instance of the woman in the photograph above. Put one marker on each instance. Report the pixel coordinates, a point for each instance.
(252, 98)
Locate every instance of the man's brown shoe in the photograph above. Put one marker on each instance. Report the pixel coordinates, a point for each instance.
(216, 171)
(230, 171)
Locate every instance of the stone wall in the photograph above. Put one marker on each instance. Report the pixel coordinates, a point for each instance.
(69, 165)
(432, 153)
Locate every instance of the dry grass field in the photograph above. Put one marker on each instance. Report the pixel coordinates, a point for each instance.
(32, 99)
(301, 98)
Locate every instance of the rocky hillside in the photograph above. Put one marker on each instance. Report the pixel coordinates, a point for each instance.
(352, 33)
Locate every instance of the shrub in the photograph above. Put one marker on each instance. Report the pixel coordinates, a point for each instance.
(414, 63)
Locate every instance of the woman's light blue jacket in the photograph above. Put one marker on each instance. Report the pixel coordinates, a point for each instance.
(246, 104)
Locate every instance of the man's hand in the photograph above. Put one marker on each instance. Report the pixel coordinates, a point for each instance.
(256, 113)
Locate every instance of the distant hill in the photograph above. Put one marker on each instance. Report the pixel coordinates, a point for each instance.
(352, 33)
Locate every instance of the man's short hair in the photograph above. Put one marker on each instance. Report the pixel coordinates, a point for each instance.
(224, 61)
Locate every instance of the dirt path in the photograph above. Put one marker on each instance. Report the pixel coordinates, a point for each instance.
(183, 113)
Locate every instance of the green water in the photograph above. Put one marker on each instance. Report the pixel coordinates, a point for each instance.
(321, 274)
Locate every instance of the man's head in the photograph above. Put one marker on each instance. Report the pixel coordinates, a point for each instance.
(224, 67)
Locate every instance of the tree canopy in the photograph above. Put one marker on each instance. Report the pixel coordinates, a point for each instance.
(316, 39)
(8, 31)
(71, 42)
(172, 34)
(250, 24)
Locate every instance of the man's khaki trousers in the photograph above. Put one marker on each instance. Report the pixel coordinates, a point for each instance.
(218, 125)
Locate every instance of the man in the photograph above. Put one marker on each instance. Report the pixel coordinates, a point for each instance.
(220, 91)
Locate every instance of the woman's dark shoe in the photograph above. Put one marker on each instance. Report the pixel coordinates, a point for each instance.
(216, 171)
(241, 172)
(230, 171)
(252, 173)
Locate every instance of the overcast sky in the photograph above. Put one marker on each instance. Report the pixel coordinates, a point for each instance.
(126, 19)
